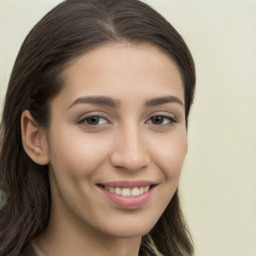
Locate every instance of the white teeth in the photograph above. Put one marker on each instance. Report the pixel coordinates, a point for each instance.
(118, 191)
(111, 189)
(146, 189)
(135, 192)
(128, 192)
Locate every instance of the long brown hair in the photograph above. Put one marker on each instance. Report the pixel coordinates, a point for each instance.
(69, 30)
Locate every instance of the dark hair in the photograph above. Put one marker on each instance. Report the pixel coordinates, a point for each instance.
(66, 32)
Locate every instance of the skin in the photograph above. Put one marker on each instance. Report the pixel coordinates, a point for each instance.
(126, 145)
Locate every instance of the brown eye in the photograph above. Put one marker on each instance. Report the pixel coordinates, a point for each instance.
(157, 119)
(94, 120)
(162, 120)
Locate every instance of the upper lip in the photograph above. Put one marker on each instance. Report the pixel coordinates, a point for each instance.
(128, 184)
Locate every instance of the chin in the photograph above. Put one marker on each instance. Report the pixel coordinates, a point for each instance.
(128, 230)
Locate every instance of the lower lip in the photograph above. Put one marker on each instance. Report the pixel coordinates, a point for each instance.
(129, 201)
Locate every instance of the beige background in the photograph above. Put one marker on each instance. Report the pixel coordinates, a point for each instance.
(218, 185)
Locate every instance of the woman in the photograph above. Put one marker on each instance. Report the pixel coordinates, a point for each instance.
(93, 134)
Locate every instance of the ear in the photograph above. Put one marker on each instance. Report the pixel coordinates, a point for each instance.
(34, 139)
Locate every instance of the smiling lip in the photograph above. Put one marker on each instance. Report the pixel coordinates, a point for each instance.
(128, 201)
(128, 184)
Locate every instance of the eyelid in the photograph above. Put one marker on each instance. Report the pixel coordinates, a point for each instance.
(94, 114)
(169, 116)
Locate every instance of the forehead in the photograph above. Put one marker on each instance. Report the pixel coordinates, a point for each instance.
(117, 69)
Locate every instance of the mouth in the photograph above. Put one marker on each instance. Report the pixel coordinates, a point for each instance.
(128, 194)
(127, 191)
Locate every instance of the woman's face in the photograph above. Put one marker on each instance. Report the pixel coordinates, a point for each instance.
(117, 140)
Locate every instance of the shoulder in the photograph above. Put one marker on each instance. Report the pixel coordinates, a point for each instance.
(28, 251)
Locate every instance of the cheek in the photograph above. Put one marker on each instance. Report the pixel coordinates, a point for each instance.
(170, 154)
(77, 155)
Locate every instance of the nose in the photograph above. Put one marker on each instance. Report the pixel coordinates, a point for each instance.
(129, 150)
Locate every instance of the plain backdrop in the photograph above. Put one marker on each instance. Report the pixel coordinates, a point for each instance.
(218, 184)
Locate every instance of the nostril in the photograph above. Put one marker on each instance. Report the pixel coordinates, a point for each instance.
(130, 155)
(129, 163)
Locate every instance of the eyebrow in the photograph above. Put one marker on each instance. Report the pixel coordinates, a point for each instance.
(107, 101)
(97, 100)
(162, 100)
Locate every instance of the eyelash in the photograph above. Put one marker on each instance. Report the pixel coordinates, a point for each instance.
(85, 120)
(167, 120)
(170, 120)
